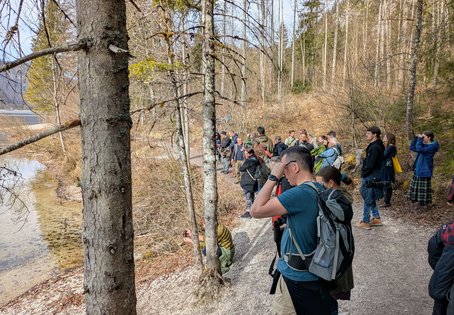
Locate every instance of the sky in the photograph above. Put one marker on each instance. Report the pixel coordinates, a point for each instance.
(28, 25)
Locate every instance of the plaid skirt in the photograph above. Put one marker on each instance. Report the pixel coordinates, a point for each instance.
(420, 190)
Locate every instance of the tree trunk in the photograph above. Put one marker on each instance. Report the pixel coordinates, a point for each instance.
(377, 48)
(243, 66)
(303, 56)
(413, 68)
(263, 48)
(366, 20)
(224, 32)
(344, 75)
(438, 44)
(336, 30)
(180, 143)
(109, 280)
(293, 43)
(185, 112)
(210, 194)
(325, 46)
(281, 49)
(55, 78)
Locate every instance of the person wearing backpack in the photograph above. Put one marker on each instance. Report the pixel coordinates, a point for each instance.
(330, 155)
(298, 290)
(441, 258)
(330, 177)
(388, 174)
(248, 182)
(371, 175)
(265, 143)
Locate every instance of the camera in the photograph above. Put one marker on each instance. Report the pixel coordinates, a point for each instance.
(374, 183)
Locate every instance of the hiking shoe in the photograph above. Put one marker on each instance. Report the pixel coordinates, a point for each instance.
(363, 225)
(246, 215)
(376, 222)
(385, 205)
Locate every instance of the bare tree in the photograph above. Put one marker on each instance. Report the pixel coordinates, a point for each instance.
(210, 282)
(413, 68)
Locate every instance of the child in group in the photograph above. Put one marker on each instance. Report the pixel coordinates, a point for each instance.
(331, 178)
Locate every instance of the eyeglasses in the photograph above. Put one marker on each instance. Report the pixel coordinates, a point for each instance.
(285, 166)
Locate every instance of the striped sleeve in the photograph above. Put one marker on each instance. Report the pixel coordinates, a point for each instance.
(224, 237)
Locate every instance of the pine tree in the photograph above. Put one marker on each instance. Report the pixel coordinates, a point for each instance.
(40, 77)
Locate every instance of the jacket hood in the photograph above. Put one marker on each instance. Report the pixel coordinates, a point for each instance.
(262, 138)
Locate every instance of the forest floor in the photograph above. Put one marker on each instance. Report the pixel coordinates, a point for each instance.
(390, 270)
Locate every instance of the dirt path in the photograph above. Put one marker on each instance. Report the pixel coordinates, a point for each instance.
(390, 269)
(391, 275)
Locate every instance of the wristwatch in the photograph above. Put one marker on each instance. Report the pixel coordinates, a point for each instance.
(273, 178)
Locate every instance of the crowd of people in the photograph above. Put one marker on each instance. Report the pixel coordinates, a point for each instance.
(286, 180)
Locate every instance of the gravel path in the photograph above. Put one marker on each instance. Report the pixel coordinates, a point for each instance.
(391, 274)
(390, 269)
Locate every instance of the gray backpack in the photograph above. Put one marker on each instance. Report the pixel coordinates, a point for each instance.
(335, 244)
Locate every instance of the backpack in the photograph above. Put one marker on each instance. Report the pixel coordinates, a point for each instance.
(335, 243)
(339, 161)
(435, 245)
(261, 173)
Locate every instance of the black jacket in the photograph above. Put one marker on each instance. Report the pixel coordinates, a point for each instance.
(247, 173)
(279, 148)
(374, 158)
(442, 279)
(388, 167)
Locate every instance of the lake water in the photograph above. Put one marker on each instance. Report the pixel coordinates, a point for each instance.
(26, 117)
(25, 259)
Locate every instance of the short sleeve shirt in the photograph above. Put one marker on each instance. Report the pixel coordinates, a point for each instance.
(302, 207)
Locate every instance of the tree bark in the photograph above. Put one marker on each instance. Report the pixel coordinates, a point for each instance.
(109, 280)
(325, 47)
(262, 52)
(55, 77)
(243, 66)
(180, 143)
(344, 75)
(413, 68)
(377, 48)
(292, 80)
(336, 30)
(210, 195)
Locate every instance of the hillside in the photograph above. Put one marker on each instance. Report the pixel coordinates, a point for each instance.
(12, 84)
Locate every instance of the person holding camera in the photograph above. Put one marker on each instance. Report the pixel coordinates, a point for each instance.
(370, 176)
(420, 191)
(298, 290)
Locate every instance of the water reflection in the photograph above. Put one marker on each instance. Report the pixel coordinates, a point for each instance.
(24, 255)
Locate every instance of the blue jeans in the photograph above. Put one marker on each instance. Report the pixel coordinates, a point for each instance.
(368, 209)
(225, 164)
(370, 204)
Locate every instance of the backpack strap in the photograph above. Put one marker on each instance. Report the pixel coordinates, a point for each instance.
(298, 249)
(249, 173)
(267, 153)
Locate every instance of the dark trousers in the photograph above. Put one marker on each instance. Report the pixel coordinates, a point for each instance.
(310, 297)
(387, 193)
(440, 307)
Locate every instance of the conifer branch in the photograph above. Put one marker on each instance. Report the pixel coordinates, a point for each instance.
(54, 50)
